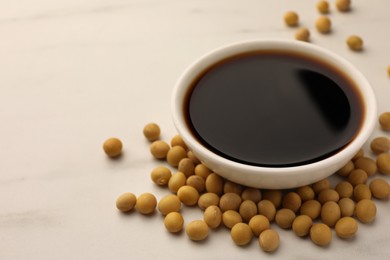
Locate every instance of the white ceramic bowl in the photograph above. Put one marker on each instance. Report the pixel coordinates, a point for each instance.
(274, 177)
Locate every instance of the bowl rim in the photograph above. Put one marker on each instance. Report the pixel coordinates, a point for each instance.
(308, 49)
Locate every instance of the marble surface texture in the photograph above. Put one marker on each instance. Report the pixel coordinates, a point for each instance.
(73, 73)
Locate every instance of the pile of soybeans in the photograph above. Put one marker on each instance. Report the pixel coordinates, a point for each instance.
(312, 210)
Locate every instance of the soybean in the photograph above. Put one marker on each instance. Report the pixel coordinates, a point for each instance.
(328, 195)
(347, 207)
(361, 191)
(357, 176)
(302, 34)
(320, 234)
(291, 18)
(213, 216)
(343, 5)
(355, 43)
(230, 218)
(159, 149)
(161, 175)
(346, 227)
(126, 202)
(366, 164)
(275, 196)
(251, 194)
(175, 155)
(330, 213)
(229, 201)
(321, 185)
(112, 147)
(176, 181)
(365, 211)
(178, 141)
(214, 183)
(344, 189)
(188, 195)
(247, 210)
(232, 187)
(292, 201)
(152, 132)
(301, 225)
(169, 203)
(174, 222)
(197, 230)
(186, 166)
(202, 171)
(146, 203)
(323, 7)
(380, 145)
(266, 208)
(346, 169)
(269, 240)
(323, 24)
(241, 234)
(384, 118)
(383, 163)
(258, 224)
(380, 189)
(197, 182)
(311, 208)
(306, 193)
(208, 199)
(193, 158)
(284, 218)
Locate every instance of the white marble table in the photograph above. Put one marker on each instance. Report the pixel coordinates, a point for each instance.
(73, 73)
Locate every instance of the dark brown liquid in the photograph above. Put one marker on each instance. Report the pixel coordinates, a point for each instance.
(273, 109)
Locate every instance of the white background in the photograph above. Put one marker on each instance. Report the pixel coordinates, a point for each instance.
(73, 73)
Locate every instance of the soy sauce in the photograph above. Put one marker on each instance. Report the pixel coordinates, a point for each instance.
(273, 109)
